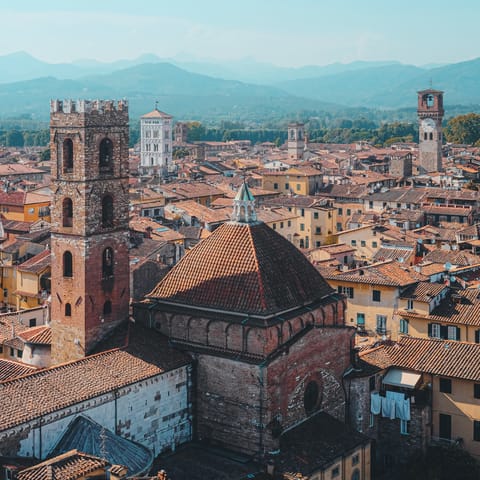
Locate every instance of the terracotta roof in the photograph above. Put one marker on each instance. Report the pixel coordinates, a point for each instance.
(423, 291)
(69, 466)
(463, 308)
(37, 263)
(454, 257)
(438, 357)
(10, 369)
(389, 273)
(398, 254)
(41, 335)
(74, 382)
(244, 268)
(156, 114)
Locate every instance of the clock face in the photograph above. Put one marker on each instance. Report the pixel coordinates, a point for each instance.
(428, 125)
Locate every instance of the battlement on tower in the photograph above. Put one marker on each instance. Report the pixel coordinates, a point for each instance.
(88, 112)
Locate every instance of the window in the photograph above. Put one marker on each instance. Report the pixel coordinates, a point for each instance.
(374, 244)
(445, 385)
(275, 186)
(289, 223)
(360, 319)
(363, 243)
(298, 186)
(318, 244)
(453, 333)
(354, 243)
(302, 212)
(372, 420)
(19, 353)
(335, 471)
(106, 155)
(404, 427)
(340, 211)
(315, 215)
(404, 326)
(32, 322)
(67, 155)
(287, 186)
(381, 324)
(349, 212)
(376, 295)
(347, 291)
(409, 304)
(68, 310)
(356, 474)
(274, 226)
(12, 352)
(310, 397)
(476, 430)
(107, 307)
(67, 264)
(281, 224)
(67, 212)
(318, 230)
(434, 330)
(302, 227)
(355, 459)
(107, 263)
(476, 390)
(5, 293)
(372, 383)
(445, 426)
(107, 211)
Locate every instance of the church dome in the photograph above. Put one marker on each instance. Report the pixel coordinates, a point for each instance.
(243, 267)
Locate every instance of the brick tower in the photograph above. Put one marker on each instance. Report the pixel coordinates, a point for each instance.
(430, 115)
(90, 265)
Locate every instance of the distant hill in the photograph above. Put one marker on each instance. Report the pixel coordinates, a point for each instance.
(237, 90)
(181, 93)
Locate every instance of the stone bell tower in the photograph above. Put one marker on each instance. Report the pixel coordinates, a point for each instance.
(430, 115)
(90, 265)
(296, 140)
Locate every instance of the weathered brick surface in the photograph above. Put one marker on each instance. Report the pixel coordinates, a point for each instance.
(86, 184)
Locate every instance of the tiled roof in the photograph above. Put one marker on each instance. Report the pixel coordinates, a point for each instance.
(244, 268)
(69, 466)
(74, 382)
(37, 263)
(387, 273)
(39, 335)
(428, 355)
(462, 309)
(156, 114)
(423, 291)
(454, 257)
(402, 254)
(10, 369)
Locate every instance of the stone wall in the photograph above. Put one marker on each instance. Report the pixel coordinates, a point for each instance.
(155, 412)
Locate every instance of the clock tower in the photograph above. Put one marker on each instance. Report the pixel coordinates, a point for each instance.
(430, 115)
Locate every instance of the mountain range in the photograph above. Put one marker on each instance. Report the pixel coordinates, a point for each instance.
(245, 89)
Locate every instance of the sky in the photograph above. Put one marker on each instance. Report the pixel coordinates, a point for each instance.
(282, 32)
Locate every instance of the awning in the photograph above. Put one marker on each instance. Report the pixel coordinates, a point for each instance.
(401, 378)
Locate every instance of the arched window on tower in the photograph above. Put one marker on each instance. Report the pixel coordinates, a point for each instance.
(106, 155)
(67, 155)
(107, 211)
(107, 263)
(67, 264)
(107, 307)
(431, 135)
(68, 310)
(67, 212)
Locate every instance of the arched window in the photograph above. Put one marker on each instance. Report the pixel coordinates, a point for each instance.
(67, 212)
(107, 307)
(67, 264)
(106, 155)
(311, 397)
(67, 155)
(68, 310)
(107, 211)
(431, 135)
(107, 263)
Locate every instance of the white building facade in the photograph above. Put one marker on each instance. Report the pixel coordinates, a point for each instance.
(156, 144)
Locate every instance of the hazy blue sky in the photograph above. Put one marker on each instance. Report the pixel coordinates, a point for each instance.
(284, 32)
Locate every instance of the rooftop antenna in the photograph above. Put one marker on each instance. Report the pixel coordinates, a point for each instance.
(431, 82)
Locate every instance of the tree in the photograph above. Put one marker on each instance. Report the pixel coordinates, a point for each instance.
(463, 129)
(14, 139)
(45, 155)
(195, 132)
